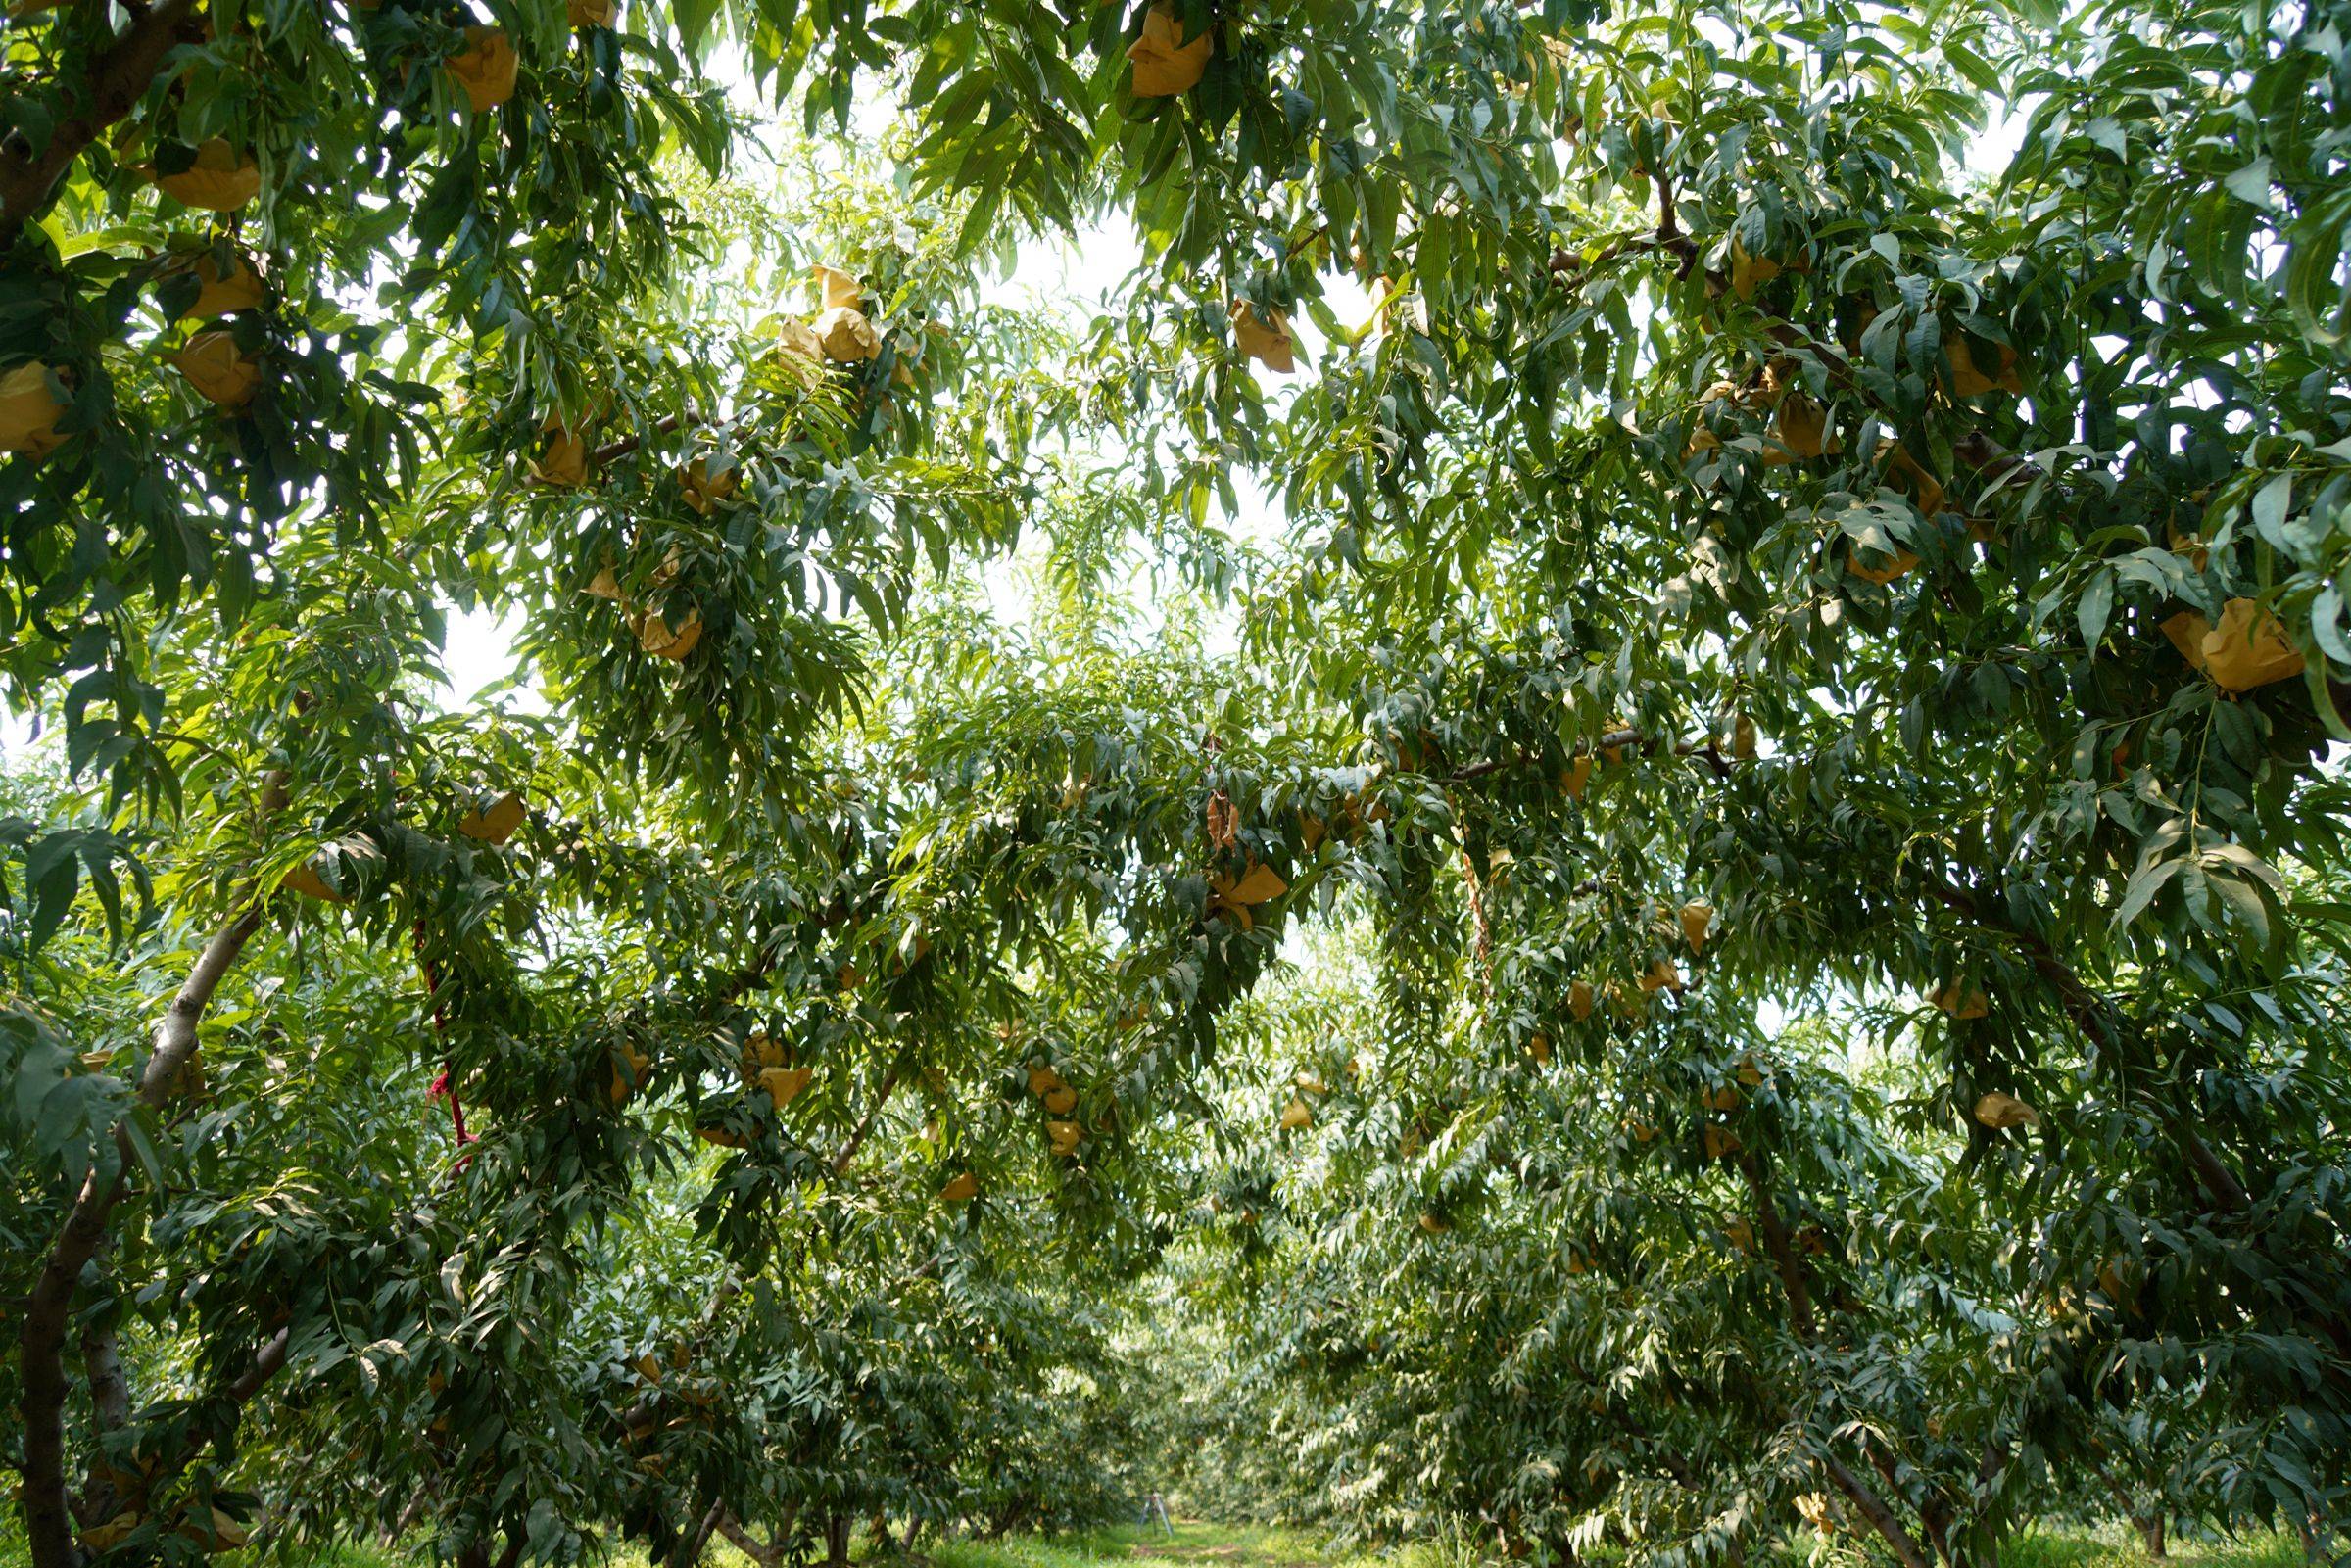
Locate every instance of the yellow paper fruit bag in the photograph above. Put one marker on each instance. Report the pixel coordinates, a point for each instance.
(219, 181)
(1165, 63)
(485, 68)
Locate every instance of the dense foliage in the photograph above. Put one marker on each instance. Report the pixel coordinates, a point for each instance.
(1633, 768)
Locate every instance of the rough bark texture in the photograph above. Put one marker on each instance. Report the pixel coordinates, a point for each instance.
(41, 1340)
(1872, 1507)
(766, 1556)
(2088, 1014)
(110, 1404)
(112, 88)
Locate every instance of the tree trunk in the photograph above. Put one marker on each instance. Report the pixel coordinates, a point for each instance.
(1791, 1270)
(407, 1517)
(837, 1539)
(110, 1404)
(118, 80)
(41, 1338)
(1873, 1508)
(690, 1548)
(767, 1557)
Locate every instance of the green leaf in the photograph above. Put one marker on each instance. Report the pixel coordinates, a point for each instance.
(2271, 503)
(2146, 882)
(2251, 183)
(2096, 604)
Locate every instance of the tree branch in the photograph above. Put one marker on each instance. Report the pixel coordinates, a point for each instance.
(2088, 1014)
(1775, 1242)
(267, 1363)
(102, 1369)
(1873, 1508)
(1807, 1324)
(1705, 751)
(117, 80)
(41, 1340)
(856, 1139)
(611, 452)
(110, 1404)
(747, 1544)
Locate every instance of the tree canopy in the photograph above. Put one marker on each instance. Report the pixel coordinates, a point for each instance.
(1625, 787)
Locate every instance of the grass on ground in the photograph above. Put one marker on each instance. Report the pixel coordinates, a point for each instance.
(1198, 1544)
(1192, 1544)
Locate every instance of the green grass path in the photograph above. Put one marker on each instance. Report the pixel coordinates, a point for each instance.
(1197, 1544)
(1194, 1544)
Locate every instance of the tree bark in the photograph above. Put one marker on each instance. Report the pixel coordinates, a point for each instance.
(1791, 1269)
(41, 1340)
(102, 1369)
(2088, 1014)
(1873, 1508)
(767, 1557)
(475, 1553)
(856, 1138)
(267, 1363)
(117, 80)
(837, 1540)
(110, 1406)
(407, 1517)
(1775, 1242)
(689, 1550)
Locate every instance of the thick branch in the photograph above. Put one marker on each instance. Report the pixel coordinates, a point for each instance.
(110, 1403)
(1881, 1518)
(1933, 1512)
(1801, 1314)
(41, 1340)
(701, 1536)
(747, 1544)
(102, 1369)
(2088, 1014)
(856, 1139)
(115, 82)
(1775, 1242)
(267, 1363)
(41, 1344)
